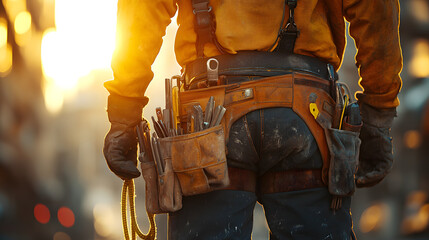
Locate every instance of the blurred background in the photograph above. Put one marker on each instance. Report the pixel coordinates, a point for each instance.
(54, 183)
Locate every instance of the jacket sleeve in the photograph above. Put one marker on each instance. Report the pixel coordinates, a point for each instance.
(141, 24)
(374, 25)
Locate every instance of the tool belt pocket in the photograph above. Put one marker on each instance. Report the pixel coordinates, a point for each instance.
(344, 151)
(151, 183)
(198, 160)
(163, 192)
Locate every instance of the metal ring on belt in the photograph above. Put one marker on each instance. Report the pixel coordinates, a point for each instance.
(255, 63)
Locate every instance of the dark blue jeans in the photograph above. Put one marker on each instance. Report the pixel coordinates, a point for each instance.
(274, 139)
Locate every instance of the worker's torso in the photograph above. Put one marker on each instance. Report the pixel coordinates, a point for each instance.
(254, 25)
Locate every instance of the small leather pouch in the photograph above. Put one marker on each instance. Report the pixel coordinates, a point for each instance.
(343, 146)
(344, 151)
(170, 194)
(198, 160)
(163, 193)
(151, 180)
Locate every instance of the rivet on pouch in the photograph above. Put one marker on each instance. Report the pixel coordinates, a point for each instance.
(312, 98)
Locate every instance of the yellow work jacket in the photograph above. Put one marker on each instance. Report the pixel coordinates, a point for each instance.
(254, 25)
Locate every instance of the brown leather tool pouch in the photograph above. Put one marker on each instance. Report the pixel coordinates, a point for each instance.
(163, 192)
(198, 160)
(170, 194)
(343, 146)
(344, 151)
(151, 180)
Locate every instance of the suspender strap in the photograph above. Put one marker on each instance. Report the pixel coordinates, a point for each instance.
(289, 34)
(203, 24)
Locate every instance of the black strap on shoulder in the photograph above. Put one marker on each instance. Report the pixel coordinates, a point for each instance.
(288, 34)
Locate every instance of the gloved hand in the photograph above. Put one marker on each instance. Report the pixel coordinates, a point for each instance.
(120, 143)
(376, 151)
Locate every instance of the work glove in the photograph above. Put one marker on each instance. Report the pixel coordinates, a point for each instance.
(376, 151)
(120, 143)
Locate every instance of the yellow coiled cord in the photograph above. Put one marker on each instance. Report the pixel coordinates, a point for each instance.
(128, 187)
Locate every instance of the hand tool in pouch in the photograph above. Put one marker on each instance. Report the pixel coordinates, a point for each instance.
(209, 112)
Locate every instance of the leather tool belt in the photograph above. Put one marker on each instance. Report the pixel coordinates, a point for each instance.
(195, 162)
(260, 64)
(296, 89)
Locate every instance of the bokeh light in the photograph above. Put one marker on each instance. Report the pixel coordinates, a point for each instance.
(22, 22)
(22, 28)
(420, 9)
(77, 46)
(58, 73)
(416, 222)
(104, 220)
(5, 60)
(66, 217)
(417, 213)
(61, 236)
(420, 60)
(416, 199)
(3, 32)
(41, 213)
(373, 218)
(5, 49)
(412, 139)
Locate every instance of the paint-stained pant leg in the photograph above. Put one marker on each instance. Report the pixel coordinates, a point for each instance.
(218, 215)
(306, 215)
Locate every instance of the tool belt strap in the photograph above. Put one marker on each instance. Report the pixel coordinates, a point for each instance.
(290, 180)
(241, 179)
(254, 63)
(274, 182)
